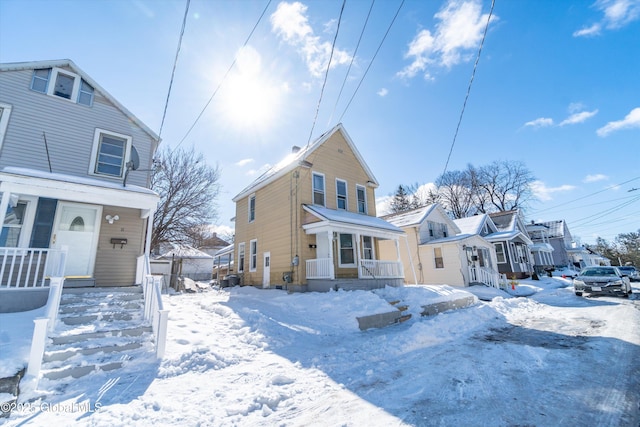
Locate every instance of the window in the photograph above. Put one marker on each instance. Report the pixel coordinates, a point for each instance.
(13, 221)
(109, 153)
(444, 230)
(367, 247)
(346, 250)
(361, 195)
(318, 189)
(341, 194)
(253, 255)
(63, 84)
(500, 255)
(437, 254)
(252, 208)
(5, 112)
(241, 257)
(431, 226)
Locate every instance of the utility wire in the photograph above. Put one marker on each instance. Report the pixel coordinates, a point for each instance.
(464, 105)
(346, 76)
(175, 62)
(372, 59)
(224, 77)
(326, 74)
(598, 215)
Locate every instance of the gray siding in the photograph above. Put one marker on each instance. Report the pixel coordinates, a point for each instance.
(116, 266)
(69, 129)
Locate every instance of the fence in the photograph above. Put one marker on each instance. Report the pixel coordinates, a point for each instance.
(30, 267)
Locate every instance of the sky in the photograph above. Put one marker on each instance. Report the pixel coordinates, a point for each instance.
(555, 86)
(249, 357)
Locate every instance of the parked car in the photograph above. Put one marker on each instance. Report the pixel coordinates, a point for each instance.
(602, 279)
(630, 271)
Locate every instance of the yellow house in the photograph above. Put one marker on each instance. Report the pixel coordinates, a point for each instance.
(309, 223)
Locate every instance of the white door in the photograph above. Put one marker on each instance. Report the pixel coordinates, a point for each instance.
(266, 272)
(77, 227)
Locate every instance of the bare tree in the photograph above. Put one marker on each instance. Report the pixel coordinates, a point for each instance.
(503, 185)
(456, 193)
(188, 190)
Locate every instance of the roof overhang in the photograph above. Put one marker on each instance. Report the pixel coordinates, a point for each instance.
(77, 189)
(508, 236)
(332, 220)
(541, 247)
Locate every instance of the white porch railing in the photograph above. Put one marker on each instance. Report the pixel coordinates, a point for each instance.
(484, 275)
(320, 268)
(30, 267)
(378, 269)
(155, 313)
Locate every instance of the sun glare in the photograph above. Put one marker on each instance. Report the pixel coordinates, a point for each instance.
(249, 99)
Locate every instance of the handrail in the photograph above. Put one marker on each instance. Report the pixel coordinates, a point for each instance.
(155, 313)
(30, 267)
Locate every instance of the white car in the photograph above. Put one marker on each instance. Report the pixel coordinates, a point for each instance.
(602, 280)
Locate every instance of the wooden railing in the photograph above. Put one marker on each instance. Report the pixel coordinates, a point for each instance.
(319, 268)
(378, 269)
(30, 267)
(155, 313)
(485, 275)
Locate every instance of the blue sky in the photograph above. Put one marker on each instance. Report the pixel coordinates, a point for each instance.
(557, 87)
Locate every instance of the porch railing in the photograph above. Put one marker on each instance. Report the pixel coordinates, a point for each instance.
(484, 275)
(155, 313)
(378, 269)
(319, 268)
(30, 267)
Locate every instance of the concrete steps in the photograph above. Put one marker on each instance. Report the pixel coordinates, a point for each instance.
(99, 329)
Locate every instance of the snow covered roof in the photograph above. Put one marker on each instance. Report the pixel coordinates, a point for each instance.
(295, 159)
(556, 228)
(32, 65)
(334, 217)
(225, 251)
(471, 224)
(504, 220)
(185, 251)
(541, 247)
(409, 218)
(508, 235)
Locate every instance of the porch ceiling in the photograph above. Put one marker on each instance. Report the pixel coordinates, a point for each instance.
(76, 189)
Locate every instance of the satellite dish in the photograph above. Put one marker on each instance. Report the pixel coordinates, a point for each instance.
(134, 163)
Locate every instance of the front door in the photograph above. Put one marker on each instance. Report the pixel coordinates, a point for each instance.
(266, 272)
(77, 227)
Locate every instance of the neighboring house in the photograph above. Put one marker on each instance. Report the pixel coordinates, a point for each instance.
(541, 248)
(558, 236)
(310, 223)
(74, 174)
(582, 256)
(512, 243)
(189, 262)
(223, 263)
(437, 252)
(213, 244)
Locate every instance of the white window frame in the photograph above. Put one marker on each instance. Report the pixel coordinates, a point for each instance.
(504, 255)
(76, 90)
(94, 152)
(4, 121)
(241, 257)
(313, 188)
(444, 229)
(352, 248)
(366, 248)
(364, 201)
(27, 222)
(251, 210)
(253, 255)
(431, 226)
(436, 257)
(344, 196)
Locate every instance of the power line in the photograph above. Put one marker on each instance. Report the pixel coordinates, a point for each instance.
(601, 214)
(351, 63)
(326, 74)
(464, 105)
(372, 59)
(224, 77)
(175, 62)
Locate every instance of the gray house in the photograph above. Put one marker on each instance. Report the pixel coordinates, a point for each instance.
(512, 244)
(74, 175)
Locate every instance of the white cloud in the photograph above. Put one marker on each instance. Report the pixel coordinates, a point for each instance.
(383, 205)
(244, 162)
(259, 171)
(540, 122)
(383, 92)
(595, 178)
(222, 230)
(290, 22)
(578, 118)
(544, 193)
(631, 120)
(458, 32)
(617, 14)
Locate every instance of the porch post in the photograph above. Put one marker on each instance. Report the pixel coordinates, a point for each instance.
(357, 248)
(6, 196)
(413, 270)
(147, 248)
(332, 272)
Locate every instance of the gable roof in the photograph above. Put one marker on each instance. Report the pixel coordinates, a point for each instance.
(474, 224)
(59, 63)
(505, 220)
(556, 228)
(417, 216)
(293, 160)
(185, 251)
(351, 220)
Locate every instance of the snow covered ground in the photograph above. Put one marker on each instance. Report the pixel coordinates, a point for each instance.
(248, 357)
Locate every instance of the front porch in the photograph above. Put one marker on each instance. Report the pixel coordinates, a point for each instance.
(372, 274)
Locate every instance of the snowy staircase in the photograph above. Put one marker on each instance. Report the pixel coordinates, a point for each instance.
(97, 329)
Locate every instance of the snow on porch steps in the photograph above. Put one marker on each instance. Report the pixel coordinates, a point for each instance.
(97, 329)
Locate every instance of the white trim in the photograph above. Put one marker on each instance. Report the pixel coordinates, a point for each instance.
(55, 71)
(266, 269)
(251, 197)
(366, 206)
(353, 250)
(313, 189)
(435, 263)
(241, 255)
(4, 120)
(253, 255)
(504, 255)
(94, 152)
(346, 195)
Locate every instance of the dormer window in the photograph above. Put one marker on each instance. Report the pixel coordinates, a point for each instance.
(63, 84)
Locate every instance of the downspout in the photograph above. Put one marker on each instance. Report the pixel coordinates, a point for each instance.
(415, 230)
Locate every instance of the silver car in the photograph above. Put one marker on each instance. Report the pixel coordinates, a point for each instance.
(602, 279)
(630, 271)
